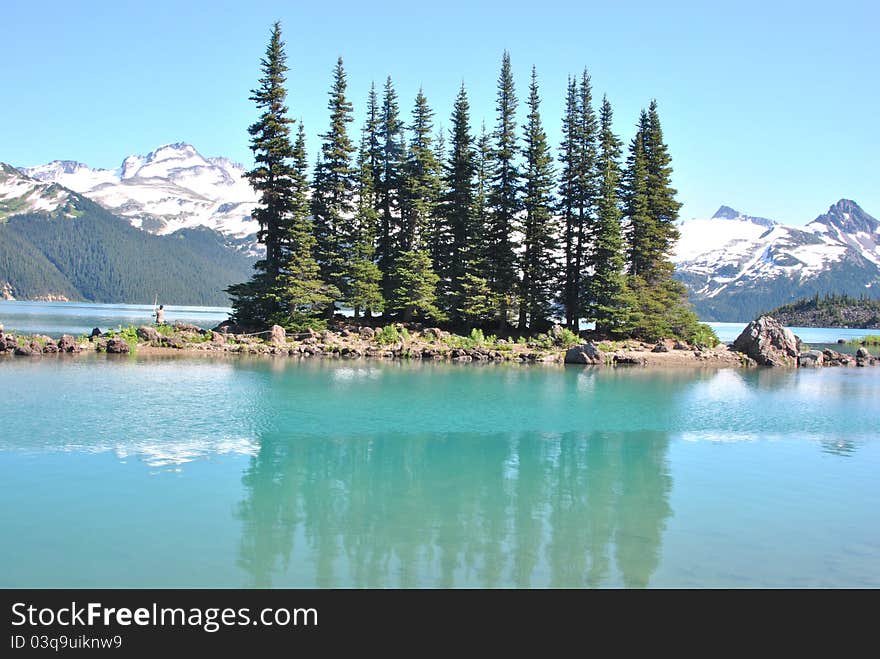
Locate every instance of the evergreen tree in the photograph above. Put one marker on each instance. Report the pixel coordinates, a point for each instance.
(391, 165)
(478, 305)
(333, 199)
(421, 179)
(659, 305)
(415, 293)
(285, 285)
(662, 205)
(538, 264)
(439, 235)
(606, 293)
(477, 243)
(568, 204)
(635, 194)
(303, 292)
(503, 196)
(373, 146)
(363, 278)
(585, 189)
(460, 211)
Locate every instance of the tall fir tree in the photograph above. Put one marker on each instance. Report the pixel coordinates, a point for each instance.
(662, 205)
(538, 263)
(605, 290)
(503, 196)
(392, 155)
(460, 211)
(587, 180)
(373, 143)
(421, 178)
(640, 224)
(333, 199)
(659, 305)
(439, 235)
(285, 286)
(363, 281)
(303, 292)
(568, 203)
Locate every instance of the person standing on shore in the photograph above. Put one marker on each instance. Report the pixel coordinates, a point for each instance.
(160, 314)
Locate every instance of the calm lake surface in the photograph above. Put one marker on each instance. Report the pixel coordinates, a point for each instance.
(236, 472)
(57, 318)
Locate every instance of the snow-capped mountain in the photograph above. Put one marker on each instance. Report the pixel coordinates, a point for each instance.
(171, 188)
(21, 194)
(736, 265)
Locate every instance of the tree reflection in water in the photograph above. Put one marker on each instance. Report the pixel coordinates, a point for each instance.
(458, 509)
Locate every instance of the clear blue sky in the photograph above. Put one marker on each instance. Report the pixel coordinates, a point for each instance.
(771, 106)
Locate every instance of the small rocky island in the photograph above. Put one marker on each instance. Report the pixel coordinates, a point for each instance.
(764, 342)
(830, 311)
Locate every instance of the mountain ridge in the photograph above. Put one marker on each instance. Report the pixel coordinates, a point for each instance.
(735, 268)
(170, 188)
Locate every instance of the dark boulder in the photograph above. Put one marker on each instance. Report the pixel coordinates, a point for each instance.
(96, 333)
(117, 346)
(68, 344)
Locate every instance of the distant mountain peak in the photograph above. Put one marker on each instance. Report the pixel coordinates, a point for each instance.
(728, 213)
(173, 150)
(849, 217)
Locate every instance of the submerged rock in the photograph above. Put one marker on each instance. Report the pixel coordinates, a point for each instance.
(769, 343)
(585, 353)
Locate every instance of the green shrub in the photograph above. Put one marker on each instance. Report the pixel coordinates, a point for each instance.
(568, 338)
(703, 335)
(128, 334)
(387, 335)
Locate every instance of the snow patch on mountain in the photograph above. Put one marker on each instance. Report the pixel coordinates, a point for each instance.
(21, 194)
(171, 188)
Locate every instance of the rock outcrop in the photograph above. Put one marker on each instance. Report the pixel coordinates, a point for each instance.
(277, 335)
(585, 353)
(768, 343)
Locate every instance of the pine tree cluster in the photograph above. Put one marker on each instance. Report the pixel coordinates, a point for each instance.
(482, 232)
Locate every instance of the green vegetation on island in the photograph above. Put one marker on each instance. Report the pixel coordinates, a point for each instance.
(480, 233)
(831, 310)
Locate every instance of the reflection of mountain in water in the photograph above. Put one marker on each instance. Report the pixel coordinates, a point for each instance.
(461, 509)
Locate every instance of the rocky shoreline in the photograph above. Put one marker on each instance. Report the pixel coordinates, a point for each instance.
(764, 342)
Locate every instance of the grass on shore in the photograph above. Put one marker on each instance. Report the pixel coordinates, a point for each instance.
(870, 340)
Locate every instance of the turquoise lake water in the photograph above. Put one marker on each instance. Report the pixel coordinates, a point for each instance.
(203, 472)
